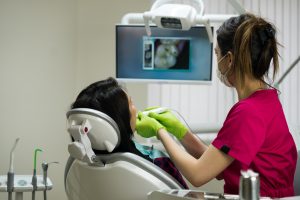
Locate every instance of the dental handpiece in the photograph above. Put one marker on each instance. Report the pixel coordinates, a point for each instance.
(155, 110)
(10, 173)
(45, 170)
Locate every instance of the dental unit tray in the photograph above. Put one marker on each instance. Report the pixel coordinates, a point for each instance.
(188, 194)
(22, 183)
(192, 195)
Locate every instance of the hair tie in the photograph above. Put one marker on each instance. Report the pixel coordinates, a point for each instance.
(266, 34)
(270, 32)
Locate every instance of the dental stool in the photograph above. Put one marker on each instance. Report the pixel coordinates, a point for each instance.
(116, 176)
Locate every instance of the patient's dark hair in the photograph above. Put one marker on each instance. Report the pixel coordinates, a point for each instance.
(110, 98)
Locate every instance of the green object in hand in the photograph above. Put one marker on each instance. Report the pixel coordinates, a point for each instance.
(151, 108)
(146, 126)
(172, 124)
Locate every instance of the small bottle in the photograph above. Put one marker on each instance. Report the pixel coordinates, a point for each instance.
(249, 185)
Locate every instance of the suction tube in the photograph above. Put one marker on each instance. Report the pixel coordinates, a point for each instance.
(34, 178)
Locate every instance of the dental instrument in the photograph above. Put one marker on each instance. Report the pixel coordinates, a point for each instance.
(18, 184)
(10, 173)
(45, 169)
(155, 110)
(190, 195)
(34, 178)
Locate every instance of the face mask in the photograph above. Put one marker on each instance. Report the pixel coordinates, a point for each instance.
(223, 77)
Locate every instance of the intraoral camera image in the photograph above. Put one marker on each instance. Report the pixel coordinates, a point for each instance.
(166, 53)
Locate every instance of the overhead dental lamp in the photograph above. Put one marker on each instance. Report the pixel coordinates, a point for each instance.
(178, 14)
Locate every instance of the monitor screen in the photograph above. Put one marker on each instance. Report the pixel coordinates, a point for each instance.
(165, 56)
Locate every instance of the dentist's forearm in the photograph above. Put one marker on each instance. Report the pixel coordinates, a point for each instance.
(197, 171)
(182, 159)
(193, 144)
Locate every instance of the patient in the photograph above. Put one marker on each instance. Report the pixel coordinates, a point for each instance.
(110, 98)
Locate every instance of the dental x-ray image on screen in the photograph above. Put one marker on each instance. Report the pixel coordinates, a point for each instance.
(167, 55)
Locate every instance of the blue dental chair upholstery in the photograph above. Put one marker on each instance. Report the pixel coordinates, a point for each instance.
(116, 176)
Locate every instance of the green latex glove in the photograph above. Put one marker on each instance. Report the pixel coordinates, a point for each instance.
(170, 121)
(146, 126)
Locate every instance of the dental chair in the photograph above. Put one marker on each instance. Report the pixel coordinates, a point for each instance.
(297, 176)
(295, 131)
(115, 176)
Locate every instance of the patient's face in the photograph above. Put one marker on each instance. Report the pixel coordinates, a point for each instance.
(132, 110)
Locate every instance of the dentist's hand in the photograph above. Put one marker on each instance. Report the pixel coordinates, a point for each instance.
(147, 126)
(170, 121)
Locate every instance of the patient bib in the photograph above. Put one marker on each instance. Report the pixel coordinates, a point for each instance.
(162, 160)
(149, 151)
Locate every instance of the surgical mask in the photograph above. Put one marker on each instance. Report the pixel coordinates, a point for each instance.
(223, 77)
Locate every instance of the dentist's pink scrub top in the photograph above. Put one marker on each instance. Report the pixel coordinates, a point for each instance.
(256, 135)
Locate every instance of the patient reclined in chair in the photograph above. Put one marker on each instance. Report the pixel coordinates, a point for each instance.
(120, 170)
(107, 176)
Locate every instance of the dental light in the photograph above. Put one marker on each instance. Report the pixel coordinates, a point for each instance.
(174, 15)
(178, 14)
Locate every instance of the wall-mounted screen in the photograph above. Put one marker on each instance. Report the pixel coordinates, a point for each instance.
(165, 56)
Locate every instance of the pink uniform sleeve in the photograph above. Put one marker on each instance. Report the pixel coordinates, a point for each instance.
(243, 133)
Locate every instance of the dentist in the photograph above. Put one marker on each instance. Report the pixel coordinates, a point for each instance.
(254, 135)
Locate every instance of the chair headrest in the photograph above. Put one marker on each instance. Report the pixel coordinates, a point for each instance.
(103, 131)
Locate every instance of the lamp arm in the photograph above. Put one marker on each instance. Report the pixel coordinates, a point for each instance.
(287, 72)
(132, 18)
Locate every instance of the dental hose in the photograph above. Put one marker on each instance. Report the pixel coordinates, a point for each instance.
(9, 195)
(45, 169)
(10, 173)
(10, 184)
(34, 178)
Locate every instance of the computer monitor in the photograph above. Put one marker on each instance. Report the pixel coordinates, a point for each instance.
(168, 55)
